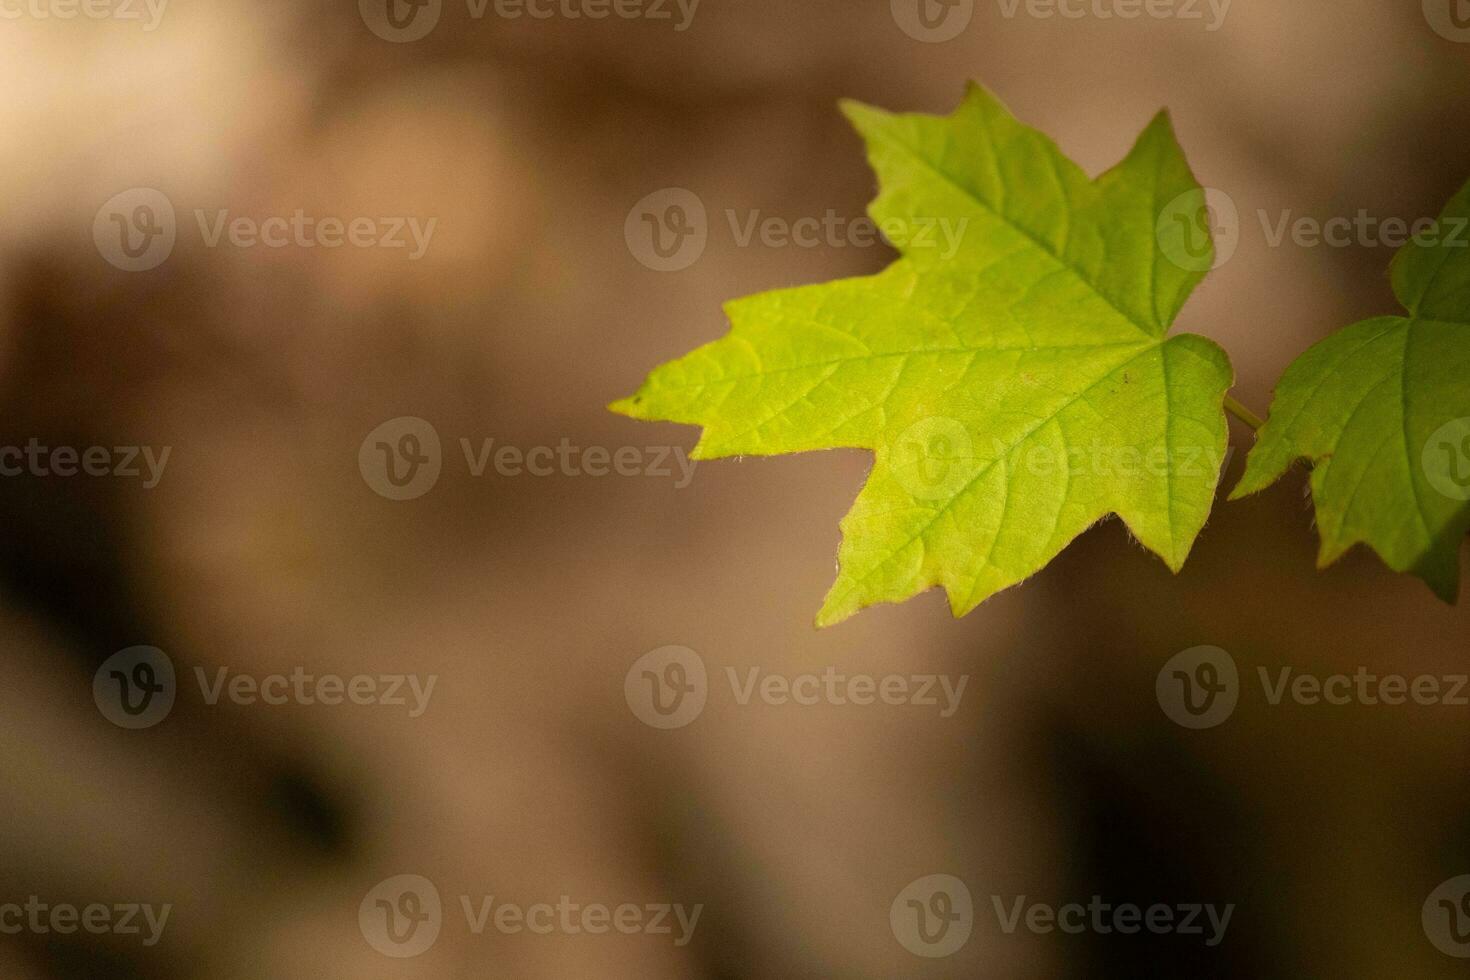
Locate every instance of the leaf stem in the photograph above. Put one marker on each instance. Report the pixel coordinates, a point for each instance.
(1244, 414)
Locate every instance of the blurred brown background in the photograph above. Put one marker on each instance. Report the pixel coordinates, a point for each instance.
(263, 549)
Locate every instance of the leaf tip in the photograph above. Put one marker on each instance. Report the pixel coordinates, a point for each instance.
(1447, 592)
(1242, 489)
(629, 407)
(829, 616)
(863, 117)
(1440, 570)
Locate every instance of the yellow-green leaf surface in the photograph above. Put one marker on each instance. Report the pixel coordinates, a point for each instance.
(1382, 409)
(1014, 391)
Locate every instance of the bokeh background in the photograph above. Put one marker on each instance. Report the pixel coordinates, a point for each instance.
(263, 548)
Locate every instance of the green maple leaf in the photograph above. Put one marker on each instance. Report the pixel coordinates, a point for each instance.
(1014, 392)
(1382, 409)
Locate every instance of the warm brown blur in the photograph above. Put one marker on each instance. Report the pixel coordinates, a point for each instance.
(264, 549)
